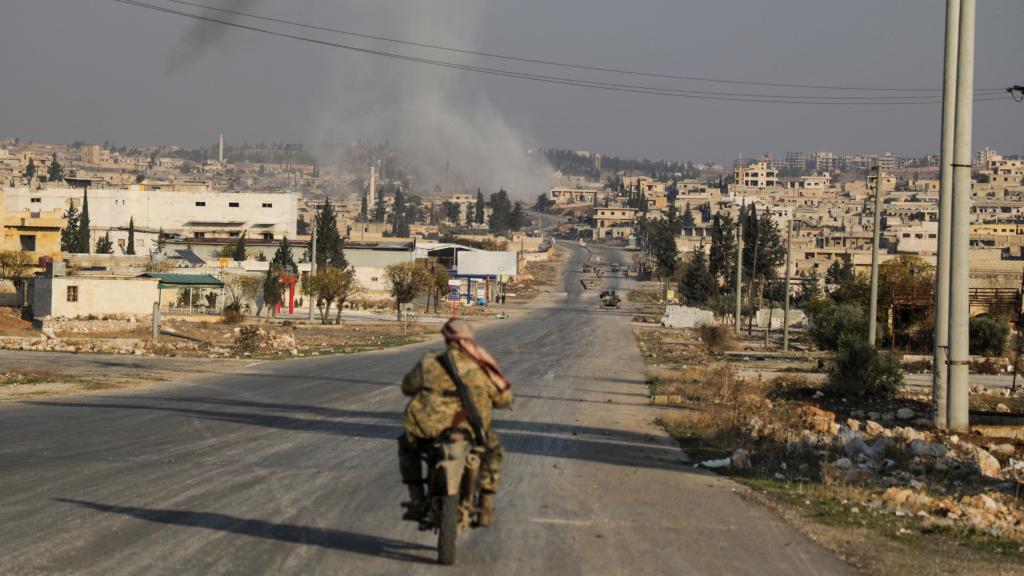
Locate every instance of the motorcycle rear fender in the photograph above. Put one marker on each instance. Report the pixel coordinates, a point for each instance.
(454, 465)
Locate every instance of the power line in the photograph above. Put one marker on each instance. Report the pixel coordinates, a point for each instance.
(561, 64)
(616, 87)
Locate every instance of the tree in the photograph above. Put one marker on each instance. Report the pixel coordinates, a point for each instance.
(688, 222)
(30, 170)
(161, 241)
(663, 248)
(364, 209)
(501, 212)
(722, 252)
(69, 233)
(517, 219)
(130, 249)
(407, 281)
(283, 258)
(82, 245)
(56, 172)
(439, 283)
(16, 268)
(104, 245)
(329, 244)
(379, 207)
(238, 254)
(840, 272)
(329, 285)
(273, 293)
(697, 282)
(479, 208)
(399, 221)
(451, 211)
(543, 203)
(240, 289)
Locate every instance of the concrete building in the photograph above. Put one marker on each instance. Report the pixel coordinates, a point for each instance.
(758, 175)
(567, 196)
(34, 231)
(57, 296)
(614, 222)
(194, 213)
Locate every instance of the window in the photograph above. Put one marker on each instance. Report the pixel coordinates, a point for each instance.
(232, 204)
(28, 242)
(268, 235)
(200, 203)
(234, 234)
(36, 200)
(72, 293)
(199, 235)
(268, 205)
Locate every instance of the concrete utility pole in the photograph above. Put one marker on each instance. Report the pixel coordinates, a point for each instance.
(739, 269)
(873, 305)
(312, 266)
(940, 353)
(789, 273)
(957, 414)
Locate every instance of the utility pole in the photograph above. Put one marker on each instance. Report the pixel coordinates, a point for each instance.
(940, 353)
(958, 409)
(739, 269)
(789, 273)
(873, 305)
(312, 266)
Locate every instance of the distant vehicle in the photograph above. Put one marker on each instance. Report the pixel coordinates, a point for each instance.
(616, 267)
(609, 299)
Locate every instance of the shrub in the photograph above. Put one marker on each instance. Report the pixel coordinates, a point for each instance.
(718, 338)
(988, 335)
(859, 369)
(248, 340)
(835, 322)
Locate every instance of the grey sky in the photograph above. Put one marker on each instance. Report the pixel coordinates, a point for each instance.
(96, 70)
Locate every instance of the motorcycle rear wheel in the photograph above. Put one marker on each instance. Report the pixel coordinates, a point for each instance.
(448, 530)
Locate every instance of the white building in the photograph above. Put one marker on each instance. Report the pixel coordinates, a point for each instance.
(194, 213)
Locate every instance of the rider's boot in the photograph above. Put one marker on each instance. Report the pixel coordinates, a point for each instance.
(416, 507)
(485, 515)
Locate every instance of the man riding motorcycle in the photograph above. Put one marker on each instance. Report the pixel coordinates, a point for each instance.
(435, 407)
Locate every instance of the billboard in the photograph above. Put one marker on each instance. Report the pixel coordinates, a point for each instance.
(483, 264)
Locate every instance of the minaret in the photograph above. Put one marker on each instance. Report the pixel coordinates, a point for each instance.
(220, 155)
(371, 193)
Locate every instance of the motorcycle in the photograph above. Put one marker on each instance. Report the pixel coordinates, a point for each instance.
(453, 489)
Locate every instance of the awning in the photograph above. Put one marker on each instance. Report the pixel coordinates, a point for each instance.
(185, 280)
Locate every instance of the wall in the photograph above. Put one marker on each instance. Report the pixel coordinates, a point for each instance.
(99, 296)
(174, 211)
(481, 263)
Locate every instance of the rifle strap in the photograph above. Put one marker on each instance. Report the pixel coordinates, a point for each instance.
(472, 413)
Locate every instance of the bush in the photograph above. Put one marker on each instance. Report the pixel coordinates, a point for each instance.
(833, 323)
(248, 340)
(988, 335)
(718, 338)
(859, 369)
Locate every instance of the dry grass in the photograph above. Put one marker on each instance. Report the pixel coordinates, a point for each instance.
(717, 338)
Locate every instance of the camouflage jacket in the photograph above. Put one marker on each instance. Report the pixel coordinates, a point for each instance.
(435, 404)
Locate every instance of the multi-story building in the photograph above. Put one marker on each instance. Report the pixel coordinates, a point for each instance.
(193, 214)
(796, 161)
(614, 222)
(758, 175)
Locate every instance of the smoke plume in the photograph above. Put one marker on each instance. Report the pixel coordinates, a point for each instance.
(199, 37)
(441, 121)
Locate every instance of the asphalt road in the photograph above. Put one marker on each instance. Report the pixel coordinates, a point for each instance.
(290, 468)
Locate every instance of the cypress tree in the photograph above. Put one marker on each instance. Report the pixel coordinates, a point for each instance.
(239, 255)
(130, 250)
(84, 226)
(69, 234)
(329, 244)
(479, 207)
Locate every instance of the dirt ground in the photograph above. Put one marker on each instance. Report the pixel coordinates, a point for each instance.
(712, 398)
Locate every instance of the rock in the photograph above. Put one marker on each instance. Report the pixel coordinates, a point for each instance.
(924, 449)
(905, 414)
(741, 459)
(1002, 408)
(843, 463)
(874, 416)
(888, 416)
(872, 428)
(908, 434)
(720, 463)
(859, 414)
(819, 420)
(1003, 452)
(293, 352)
(854, 445)
(854, 425)
(977, 389)
(882, 445)
(981, 502)
(986, 462)
(48, 333)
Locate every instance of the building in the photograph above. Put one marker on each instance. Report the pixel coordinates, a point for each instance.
(193, 213)
(56, 295)
(567, 196)
(758, 175)
(34, 231)
(796, 161)
(614, 222)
